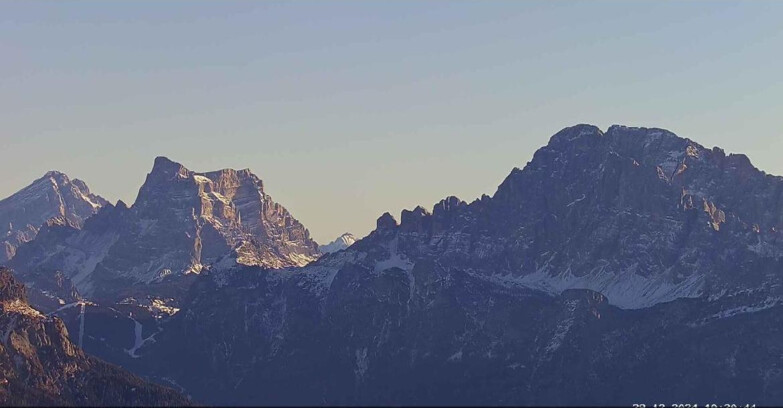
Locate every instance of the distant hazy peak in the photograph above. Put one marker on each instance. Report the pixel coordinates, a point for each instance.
(340, 243)
(53, 196)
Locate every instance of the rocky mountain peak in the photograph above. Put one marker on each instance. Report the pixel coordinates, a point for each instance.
(163, 166)
(622, 130)
(56, 176)
(342, 242)
(182, 220)
(416, 220)
(386, 222)
(572, 216)
(53, 196)
(577, 134)
(450, 203)
(81, 185)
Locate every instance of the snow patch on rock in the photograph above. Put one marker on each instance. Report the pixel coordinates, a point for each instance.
(626, 290)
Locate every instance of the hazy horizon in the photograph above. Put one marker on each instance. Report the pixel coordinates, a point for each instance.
(348, 110)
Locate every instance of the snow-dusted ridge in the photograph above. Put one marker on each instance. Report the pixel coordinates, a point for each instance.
(627, 290)
(631, 213)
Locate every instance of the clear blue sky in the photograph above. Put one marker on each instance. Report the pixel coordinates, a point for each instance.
(350, 109)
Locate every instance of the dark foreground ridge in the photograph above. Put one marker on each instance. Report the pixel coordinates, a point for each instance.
(40, 366)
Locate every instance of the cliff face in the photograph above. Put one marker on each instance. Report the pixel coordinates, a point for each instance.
(181, 221)
(40, 366)
(231, 211)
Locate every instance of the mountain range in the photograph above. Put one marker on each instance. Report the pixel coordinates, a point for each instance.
(115, 277)
(180, 222)
(615, 267)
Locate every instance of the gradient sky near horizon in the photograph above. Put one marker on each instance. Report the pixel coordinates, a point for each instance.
(350, 109)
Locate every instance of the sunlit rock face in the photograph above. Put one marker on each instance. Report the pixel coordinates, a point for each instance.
(52, 198)
(613, 268)
(180, 222)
